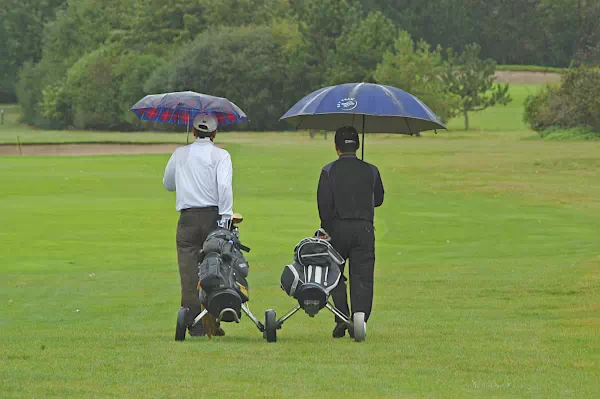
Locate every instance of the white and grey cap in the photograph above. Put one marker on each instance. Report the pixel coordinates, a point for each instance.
(205, 123)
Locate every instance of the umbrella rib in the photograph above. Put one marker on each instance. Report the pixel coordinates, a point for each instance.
(408, 126)
(299, 123)
(327, 90)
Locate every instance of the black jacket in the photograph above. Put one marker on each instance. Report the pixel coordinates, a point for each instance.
(348, 189)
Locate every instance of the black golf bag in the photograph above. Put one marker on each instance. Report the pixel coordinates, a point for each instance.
(222, 273)
(314, 273)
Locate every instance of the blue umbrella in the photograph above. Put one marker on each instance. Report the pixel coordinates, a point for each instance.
(370, 108)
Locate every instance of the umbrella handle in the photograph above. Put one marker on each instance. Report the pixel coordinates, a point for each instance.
(363, 137)
(187, 136)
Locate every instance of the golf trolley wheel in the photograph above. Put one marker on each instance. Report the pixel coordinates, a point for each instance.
(359, 326)
(270, 325)
(181, 324)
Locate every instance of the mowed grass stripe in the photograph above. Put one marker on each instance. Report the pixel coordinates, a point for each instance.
(487, 276)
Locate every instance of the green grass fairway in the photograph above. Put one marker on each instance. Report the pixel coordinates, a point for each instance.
(487, 276)
(500, 118)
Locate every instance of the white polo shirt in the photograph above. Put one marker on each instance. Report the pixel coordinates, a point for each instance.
(200, 173)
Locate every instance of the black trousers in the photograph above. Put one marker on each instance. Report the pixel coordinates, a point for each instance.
(355, 241)
(195, 224)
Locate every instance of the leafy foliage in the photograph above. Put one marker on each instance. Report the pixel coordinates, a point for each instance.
(573, 104)
(236, 13)
(102, 86)
(247, 65)
(307, 44)
(359, 50)
(321, 23)
(21, 28)
(471, 79)
(335, 33)
(417, 69)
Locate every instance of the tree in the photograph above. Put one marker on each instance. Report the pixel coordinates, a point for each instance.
(100, 88)
(587, 47)
(236, 13)
(471, 79)
(79, 28)
(155, 25)
(248, 65)
(321, 23)
(21, 26)
(360, 49)
(417, 69)
(7, 69)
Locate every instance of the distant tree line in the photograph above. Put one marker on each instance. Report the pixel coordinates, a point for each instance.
(83, 63)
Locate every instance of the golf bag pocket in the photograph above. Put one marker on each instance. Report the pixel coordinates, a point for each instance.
(295, 276)
(292, 278)
(317, 252)
(242, 287)
(211, 274)
(224, 243)
(217, 274)
(240, 264)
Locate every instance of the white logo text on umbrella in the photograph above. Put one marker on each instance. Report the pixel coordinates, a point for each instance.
(347, 104)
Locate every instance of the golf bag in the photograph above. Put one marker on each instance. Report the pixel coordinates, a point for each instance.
(314, 273)
(222, 273)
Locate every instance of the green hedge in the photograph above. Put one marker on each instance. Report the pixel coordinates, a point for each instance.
(558, 134)
(529, 68)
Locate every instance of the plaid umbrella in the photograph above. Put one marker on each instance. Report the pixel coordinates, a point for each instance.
(182, 107)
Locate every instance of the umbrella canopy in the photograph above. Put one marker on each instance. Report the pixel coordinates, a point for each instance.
(182, 107)
(368, 107)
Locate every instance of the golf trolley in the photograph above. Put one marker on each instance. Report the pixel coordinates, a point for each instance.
(223, 288)
(310, 280)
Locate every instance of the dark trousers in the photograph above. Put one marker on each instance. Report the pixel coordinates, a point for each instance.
(355, 241)
(194, 226)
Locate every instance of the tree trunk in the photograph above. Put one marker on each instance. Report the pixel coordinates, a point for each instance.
(466, 120)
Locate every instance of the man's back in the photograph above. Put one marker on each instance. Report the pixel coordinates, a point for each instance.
(201, 175)
(349, 189)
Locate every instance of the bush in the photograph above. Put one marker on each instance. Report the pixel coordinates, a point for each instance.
(559, 134)
(29, 94)
(573, 104)
(100, 89)
(250, 66)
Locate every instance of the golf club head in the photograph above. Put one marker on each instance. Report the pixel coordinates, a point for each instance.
(236, 218)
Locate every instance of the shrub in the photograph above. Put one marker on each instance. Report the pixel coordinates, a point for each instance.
(576, 133)
(102, 86)
(573, 104)
(29, 94)
(249, 65)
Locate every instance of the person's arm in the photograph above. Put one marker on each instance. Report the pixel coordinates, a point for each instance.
(169, 178)
(378, 189)
(325, 201)
(224, 185)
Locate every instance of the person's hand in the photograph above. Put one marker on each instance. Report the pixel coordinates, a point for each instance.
(322, 234)
(224, 223)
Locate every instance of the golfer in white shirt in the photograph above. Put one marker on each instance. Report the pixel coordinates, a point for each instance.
(200, 173)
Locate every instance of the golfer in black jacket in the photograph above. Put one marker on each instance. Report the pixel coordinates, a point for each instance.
(349, 190)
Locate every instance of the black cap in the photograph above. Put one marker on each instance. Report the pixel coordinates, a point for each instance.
(346, 139)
